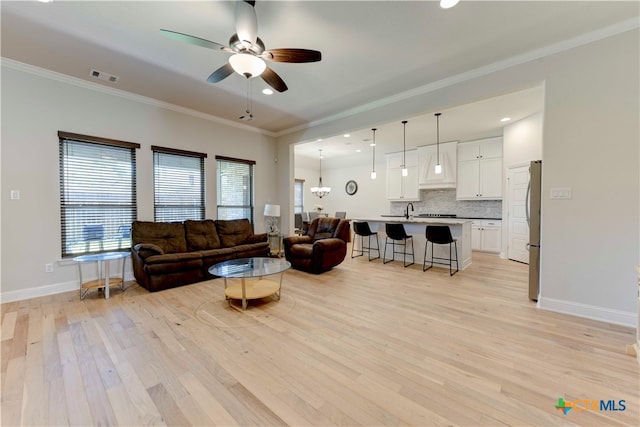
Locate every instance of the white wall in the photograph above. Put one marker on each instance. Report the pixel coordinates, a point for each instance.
(522, 141)
(590, 243)
(35, 107)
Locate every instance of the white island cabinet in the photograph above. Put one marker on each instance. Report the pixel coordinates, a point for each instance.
(460, 230)
(402, 188)
(480, 170)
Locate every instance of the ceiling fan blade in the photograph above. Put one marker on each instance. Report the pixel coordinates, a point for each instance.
(194, 40)
(273, 80)
(221, 73)
(246, 21)
(292, 55)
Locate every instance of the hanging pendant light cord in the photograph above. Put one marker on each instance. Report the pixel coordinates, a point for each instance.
(404, 144)
(438, 137)
(373, 166)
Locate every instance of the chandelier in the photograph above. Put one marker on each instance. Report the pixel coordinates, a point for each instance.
(320, 191)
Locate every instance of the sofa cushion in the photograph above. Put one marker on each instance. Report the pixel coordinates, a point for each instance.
(169, 236)
(201, 235)
(233, 232)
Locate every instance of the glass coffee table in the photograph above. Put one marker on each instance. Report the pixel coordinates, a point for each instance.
(251, 272)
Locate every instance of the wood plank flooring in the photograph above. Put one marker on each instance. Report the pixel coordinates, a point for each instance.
(364, 344)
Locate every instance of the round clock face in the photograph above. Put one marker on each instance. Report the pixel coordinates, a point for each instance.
(351, 187)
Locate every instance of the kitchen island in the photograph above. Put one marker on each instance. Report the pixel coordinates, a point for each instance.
(416, 227)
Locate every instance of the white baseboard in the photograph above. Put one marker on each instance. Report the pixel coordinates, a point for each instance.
(618, 317)
(43, 291)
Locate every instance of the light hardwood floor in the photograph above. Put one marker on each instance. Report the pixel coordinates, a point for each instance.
(364, 344)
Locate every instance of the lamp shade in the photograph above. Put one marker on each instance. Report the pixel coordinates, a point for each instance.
(271, 210)
(247, 65)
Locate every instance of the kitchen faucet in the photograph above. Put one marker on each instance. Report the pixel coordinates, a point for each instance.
(406, 214)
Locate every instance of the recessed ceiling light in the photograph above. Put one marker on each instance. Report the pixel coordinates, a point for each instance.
(346, 135)
(505, 119)
(319, 139)
(446, 4)
(358, 151)
(373, 144)
(267, 91)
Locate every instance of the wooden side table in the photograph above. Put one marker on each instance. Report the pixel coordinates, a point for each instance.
(104, 280)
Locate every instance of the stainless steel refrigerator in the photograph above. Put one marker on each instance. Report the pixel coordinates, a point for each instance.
(533, 200)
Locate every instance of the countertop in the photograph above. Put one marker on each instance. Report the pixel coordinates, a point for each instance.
(416, 220)
(473, 218)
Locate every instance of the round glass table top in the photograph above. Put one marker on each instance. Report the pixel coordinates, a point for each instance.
(249, 267)
(106, 256)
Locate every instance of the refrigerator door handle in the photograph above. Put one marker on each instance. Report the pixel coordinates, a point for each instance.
(526, 200)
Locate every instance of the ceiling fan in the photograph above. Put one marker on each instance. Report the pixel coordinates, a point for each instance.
(248, 51)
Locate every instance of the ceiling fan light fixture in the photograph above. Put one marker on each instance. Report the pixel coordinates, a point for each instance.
(247, 65)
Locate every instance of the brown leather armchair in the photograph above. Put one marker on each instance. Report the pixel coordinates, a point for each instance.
(323, 247)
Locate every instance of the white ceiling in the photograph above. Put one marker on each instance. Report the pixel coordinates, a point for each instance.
(371, 50)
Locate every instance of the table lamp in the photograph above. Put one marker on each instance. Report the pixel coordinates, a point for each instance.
(272, 213)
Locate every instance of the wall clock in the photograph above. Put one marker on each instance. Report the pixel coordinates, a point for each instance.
(351, 187)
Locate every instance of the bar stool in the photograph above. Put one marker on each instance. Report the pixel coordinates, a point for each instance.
(361, 228)
(440, 235)
(396, 233)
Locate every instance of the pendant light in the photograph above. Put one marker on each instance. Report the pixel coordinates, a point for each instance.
(405, 171)
(373, 163)
(438, 165)
(320, 191)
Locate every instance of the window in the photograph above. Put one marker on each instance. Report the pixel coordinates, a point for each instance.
(178, 184)
(97, 193)
(235, 188)
(298, 196)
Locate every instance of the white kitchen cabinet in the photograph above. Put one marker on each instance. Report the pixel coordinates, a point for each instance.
(404, 188)
(486, 235)
(427, 160)
(480, 170)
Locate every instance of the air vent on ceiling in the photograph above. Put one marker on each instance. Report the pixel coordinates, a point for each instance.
(100, 75)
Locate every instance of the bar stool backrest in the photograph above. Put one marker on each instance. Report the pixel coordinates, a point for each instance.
(439, 234)
(362, 228)
(395, 231)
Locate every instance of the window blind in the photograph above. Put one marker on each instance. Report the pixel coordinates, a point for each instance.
(97, 193)
(298, 196)
(234, 188)
(178, 184)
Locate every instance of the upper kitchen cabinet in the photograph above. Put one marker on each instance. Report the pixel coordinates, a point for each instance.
(402, 188)
(480, 170)
(428, 158)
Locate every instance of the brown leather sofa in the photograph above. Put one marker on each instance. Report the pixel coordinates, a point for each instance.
(170, 254)
(322, 248)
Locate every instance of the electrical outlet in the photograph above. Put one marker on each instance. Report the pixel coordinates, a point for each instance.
(48, 268)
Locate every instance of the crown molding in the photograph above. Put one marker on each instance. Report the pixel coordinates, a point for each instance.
(63, 78)
(584, 39)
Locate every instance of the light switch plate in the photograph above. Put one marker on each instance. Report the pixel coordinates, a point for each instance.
(561, 193)
(15, 194)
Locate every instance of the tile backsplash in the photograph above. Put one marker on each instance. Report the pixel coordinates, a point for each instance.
(444, 202)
